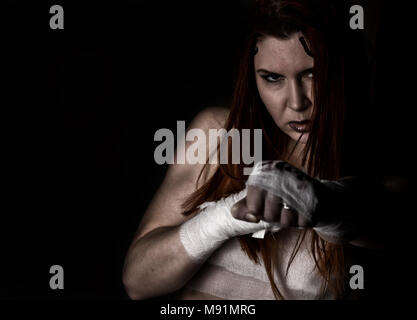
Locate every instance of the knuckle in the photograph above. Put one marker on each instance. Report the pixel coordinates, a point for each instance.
(271, 215)
(284, 223)
(288, 218)
(302, 223)
(255, 204)
(268, 217)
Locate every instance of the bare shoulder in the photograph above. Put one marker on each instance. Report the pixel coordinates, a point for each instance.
(182, 179)
(211, 118)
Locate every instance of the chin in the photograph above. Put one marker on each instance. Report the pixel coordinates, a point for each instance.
(296, 136)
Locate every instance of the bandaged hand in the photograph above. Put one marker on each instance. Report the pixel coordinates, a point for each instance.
(214, 224)
(280, 193)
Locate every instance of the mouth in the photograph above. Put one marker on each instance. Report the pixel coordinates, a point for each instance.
(300, 126)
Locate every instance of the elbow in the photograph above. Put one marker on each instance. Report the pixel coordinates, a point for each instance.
(130, 283)
(136, 291)
(131, 288)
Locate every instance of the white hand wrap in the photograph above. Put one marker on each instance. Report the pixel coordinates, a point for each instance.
(209, 229)
(293, 186)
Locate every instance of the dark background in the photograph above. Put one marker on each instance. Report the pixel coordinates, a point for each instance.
(80, 106)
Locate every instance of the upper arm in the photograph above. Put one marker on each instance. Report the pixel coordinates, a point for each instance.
(181, 179)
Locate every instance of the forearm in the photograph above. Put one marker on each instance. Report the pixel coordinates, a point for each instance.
(165, 259)
(360, 240)
(371, 210)
(157, 264)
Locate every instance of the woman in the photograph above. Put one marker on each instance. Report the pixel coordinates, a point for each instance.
(290, 84)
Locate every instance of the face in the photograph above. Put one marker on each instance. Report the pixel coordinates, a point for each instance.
(284, 79)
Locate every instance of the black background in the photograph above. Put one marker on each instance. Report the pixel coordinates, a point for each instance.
(80, 106)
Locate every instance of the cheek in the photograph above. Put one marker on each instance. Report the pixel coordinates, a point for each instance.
(308, 88)
(274, 103)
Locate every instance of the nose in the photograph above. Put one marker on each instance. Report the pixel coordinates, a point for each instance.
(298, 99)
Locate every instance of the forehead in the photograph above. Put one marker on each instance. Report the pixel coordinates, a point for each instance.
(282, 55)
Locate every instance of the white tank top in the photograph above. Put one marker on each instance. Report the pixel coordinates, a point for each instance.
(230, 274)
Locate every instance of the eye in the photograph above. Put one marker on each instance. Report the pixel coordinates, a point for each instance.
(309, 74)
(273, 78)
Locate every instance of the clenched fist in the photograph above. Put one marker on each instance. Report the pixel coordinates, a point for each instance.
(280, 193)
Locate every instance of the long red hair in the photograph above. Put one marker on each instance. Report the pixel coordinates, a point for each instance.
(318, 21)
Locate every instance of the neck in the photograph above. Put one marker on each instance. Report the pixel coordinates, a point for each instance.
(294, 155)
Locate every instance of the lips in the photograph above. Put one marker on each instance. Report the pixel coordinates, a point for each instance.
(300, 126)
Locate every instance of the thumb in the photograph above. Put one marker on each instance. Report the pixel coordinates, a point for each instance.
(240, 211)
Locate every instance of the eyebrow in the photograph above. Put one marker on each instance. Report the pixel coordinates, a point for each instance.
(306, 71)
